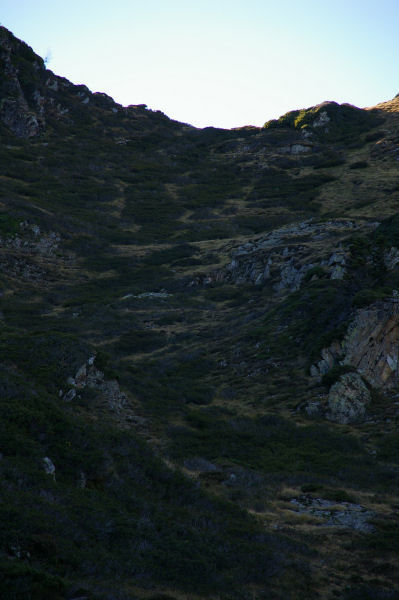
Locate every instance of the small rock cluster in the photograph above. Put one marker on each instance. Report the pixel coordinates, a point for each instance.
(26, 255)
(335, 514)
(89, 376)
(32, 241)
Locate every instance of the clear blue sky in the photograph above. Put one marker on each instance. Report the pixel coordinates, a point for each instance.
(224, 63)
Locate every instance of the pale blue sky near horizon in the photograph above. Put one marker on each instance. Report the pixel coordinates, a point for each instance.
(221, 63)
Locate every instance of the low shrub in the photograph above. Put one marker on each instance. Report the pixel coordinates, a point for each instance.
(335, 373)
(369, 296)
(360, 164)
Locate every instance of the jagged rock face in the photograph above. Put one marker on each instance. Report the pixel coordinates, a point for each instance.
(21, 110)
(291, 276)
(391, 258)
(348, 399)
(16, 115)
(371, 348)
(371, 345)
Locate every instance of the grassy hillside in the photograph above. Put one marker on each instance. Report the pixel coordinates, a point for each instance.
(164, 292)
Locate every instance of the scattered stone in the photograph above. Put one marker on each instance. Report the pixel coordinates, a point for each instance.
(16, 551)
(200, 464)
(70, 395)
(391, 258)
(80, 377)
(49, 466)
(136, 420)
(335, 514)
(148, 295)
(82, 481)
(89, 376)
(314, 409)
(52, 84)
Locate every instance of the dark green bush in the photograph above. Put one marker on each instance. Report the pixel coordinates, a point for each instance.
(18, 580)
(269, 444)
(170, 255)
(45, 358)
(137, 341)
(388, 231)
(360, 164)
(388, 448)
(320, 272)
(335, 373)
(9, 225)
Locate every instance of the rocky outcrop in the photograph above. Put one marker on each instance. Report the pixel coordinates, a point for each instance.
(371, 348)
(391, 258)
(31, 240)
(297, 148)
(335, 514)
(348, 399)
(29, 253)
(322, 120)
(285, 255)
(21, 110)
(371, 345)
(16, 115)
(32, 97)
(109, 394)
(329, 358)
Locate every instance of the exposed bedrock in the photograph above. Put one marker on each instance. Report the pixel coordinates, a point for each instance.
(371, 348)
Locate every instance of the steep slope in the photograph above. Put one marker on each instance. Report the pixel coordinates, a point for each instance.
(192, 404)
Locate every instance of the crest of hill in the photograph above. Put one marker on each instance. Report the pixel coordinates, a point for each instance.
(328, 121)
(34, 99)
